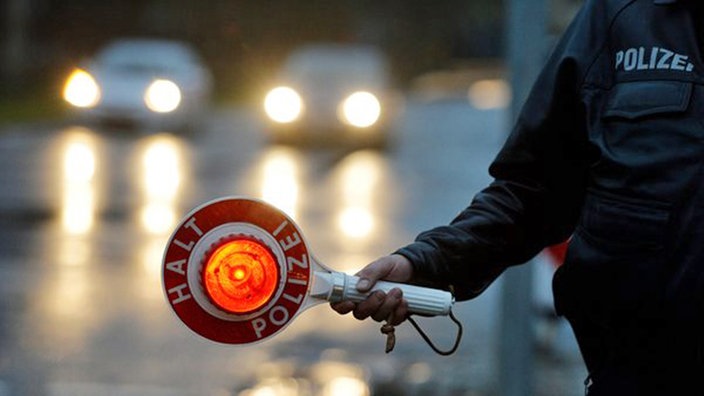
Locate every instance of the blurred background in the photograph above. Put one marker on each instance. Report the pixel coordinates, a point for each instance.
(365, 121)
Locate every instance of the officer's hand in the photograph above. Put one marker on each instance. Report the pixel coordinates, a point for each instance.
(379, 305)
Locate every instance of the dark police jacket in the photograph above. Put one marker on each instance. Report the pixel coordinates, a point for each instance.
(609, 152)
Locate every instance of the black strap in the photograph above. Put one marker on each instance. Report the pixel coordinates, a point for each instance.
(431, 344)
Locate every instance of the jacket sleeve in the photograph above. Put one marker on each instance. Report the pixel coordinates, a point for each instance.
(540, 177)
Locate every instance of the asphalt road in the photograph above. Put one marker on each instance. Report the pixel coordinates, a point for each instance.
(85, 214)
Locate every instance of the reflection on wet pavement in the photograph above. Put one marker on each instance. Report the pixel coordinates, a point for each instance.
(82, 233)
(330, 376)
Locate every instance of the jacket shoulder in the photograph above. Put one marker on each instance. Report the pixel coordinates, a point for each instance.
(589, 31)
(610, 7)
(606, 10)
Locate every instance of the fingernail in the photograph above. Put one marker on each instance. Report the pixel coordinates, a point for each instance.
(396, 293)
(363, 284)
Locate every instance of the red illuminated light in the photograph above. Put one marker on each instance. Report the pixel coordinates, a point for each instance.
(241, 275)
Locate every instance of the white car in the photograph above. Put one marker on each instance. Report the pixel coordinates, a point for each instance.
(332, 93)
(148, 83)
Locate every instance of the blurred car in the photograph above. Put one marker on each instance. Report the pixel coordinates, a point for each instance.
(149, 83)
(332, 94)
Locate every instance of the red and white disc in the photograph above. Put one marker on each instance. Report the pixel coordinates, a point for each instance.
(237, 270)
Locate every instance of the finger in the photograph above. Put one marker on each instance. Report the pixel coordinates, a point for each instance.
(369, 306)
(400, 314)
(343, 307)
(389, 306)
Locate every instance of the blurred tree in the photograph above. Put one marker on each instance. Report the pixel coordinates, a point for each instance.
(15, 43)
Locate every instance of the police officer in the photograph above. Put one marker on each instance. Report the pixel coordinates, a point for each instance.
(607, 152)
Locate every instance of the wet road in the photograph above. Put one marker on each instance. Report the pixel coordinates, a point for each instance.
(85, 214)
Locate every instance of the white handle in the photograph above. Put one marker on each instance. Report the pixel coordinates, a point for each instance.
(421, 300)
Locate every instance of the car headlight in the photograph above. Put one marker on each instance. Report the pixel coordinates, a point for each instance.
(283, 105)
(81, 89)
(361, 109)
(162, 96)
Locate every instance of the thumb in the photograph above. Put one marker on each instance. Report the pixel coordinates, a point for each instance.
(393, 268)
